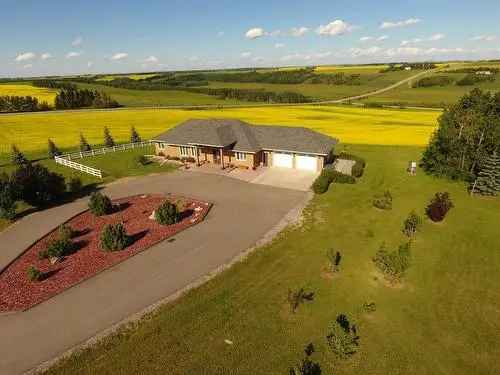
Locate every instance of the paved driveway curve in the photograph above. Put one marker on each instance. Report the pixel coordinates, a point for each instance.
(241, 215)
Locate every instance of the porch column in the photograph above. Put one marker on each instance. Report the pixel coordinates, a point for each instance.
(197, 156)
(222, 157)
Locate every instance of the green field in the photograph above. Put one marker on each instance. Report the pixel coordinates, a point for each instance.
(350, 124)
(443, 318)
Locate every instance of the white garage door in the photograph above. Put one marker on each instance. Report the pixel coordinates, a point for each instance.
(306, 162)
(282, 160)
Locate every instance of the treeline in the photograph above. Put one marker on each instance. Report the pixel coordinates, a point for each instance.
(337, 79)
(70, 98)
(253, 95)
(468, 133)
(280, 76)
(474, 70)
(145, 84)
(403, 66)
(22, 104)
(51, 84)
(433, 81)
(473, 79)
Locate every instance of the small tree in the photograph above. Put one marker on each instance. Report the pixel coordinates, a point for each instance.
(334, 257)
(108, 139)
(114, 237)
(7, 198)
(383, 201)
(342, 337)
(395, 263)
(306, 365)
(17, 157)
(100, 204)
(412, 224)
(134, 136)
(439, 207)
(84, 145)
(297, 297)
(488, 179)
(53, 150)
(167, 214)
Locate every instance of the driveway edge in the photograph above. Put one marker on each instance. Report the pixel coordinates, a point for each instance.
(293, 217)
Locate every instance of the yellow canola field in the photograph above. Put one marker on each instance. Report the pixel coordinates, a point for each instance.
(42, 94)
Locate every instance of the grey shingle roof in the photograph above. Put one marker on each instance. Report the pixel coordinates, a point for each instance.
(241, 136)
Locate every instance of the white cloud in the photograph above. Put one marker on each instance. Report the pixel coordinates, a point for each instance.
(255, 33)
(45, 56)
(72, 54)
(298, 31)
(279, 45)
(391, 24)
(258, 59)
(77, 41)
(220, 34)
(366, 38)
(119, 56)
(382, 37)
(305, 57)
(245, 55)
(28, 66)
(151, 60)
(359, 52)
(371, 38)
(334, 28)
(194, 58)
(25, 56)
(484, 38)
(437, 36)
(90, 64)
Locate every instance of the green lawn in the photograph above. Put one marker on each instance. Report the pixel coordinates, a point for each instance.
(444, 318)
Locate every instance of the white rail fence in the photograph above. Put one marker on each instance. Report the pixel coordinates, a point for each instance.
(66, 159)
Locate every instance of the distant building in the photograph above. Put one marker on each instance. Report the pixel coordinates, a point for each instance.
(407, 67)
(484, 72)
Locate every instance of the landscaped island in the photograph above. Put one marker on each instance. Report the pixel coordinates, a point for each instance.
(37, 275)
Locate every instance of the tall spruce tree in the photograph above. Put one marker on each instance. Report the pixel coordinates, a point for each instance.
(17, 157)
(84, 145)
(108, 139)
(134, 136)
(53, 150)
(488, 179)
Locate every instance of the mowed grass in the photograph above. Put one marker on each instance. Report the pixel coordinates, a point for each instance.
(147, 98)
(350, 124)
(443, 318)
(25, 89)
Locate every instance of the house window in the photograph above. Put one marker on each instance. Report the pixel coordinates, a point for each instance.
(241, 156)
(187, 151)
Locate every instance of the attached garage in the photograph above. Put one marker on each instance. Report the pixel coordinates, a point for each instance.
(306, 162)
(282, 160)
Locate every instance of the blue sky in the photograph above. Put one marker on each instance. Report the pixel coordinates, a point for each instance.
(67, 37)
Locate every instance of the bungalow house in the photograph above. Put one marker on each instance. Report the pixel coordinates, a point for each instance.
(229, 142)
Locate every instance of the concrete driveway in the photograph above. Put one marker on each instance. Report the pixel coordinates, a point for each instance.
(79, 313)
(287, 178)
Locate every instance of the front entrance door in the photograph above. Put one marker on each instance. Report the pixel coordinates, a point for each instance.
(216, 154)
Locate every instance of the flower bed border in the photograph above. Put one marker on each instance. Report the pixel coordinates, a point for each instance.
(198, 220)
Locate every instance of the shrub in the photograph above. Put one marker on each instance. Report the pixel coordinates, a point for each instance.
(297, 297)
(321, 184)
(34, 274)
(337, 177)
(134, 135)
(114, 237)
(100, 204)
(439, 207)
(412, 224)
(53, 150)
(66, 232)
(334, 257)
(342, 337)
(383, 201)
(17, 157)
(57, 249)
(369, 307)
(7, 198)
(306, 366)
(36, 185)
(167, 214)
(142, 160)
(74, 185)
(393, 264)
(357, 170)
(84, 145)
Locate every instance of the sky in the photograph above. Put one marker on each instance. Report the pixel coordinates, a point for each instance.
(79, 37)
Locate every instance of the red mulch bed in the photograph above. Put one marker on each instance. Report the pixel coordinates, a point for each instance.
(17, 293)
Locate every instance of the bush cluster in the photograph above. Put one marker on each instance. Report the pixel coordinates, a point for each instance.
(167, 214)
(393, 264)
(439, 207)
(359, 166)
(342, 337)
(34, 274)
(114, 237)
(412, 224)
(328, 176)
(383, 201)
(74, 185)
(57, 248)
(100, 204)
